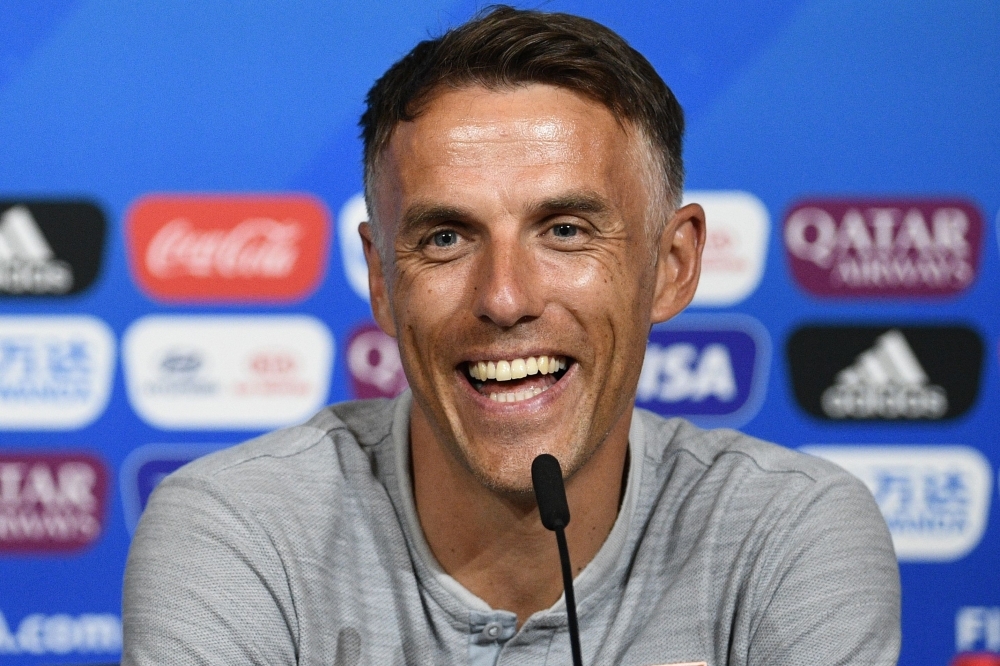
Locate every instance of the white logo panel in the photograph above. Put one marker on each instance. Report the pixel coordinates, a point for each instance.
(735, 249)
(227, 372)
(935, 499)
(55, 372)
(352, 252)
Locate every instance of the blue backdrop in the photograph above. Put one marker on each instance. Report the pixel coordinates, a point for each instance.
(816, 105)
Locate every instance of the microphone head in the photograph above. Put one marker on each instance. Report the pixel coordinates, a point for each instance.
(550, 493)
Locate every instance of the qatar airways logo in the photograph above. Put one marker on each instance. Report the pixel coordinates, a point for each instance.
(50, 502)
(884, 247)
(373, 363)
(228, 248)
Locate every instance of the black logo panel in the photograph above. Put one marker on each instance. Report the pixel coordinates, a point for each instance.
(895, 373)
(49, 248)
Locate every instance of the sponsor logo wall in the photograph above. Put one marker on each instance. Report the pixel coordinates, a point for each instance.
(181, 270)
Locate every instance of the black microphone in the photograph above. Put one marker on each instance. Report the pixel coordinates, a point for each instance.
(546, 477)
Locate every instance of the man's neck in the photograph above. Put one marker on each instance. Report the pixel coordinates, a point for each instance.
(496, 546)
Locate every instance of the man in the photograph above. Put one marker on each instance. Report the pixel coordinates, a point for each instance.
(523, 174)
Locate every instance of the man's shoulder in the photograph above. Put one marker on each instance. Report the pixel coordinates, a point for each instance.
(722, 449)
(343, 430)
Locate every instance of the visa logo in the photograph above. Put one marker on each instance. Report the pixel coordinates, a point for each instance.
(711, 370)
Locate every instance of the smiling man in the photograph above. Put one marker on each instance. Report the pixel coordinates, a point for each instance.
(523, 174)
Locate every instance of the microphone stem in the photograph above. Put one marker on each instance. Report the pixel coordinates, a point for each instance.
(567, 573)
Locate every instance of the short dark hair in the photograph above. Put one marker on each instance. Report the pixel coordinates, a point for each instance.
(504, 47)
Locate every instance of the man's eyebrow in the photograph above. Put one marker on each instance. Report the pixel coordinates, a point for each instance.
(421, 216)
(576, 202)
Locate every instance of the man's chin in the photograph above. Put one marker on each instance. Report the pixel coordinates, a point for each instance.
(503, 464)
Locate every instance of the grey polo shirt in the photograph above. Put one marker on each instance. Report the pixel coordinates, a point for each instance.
(303, 547)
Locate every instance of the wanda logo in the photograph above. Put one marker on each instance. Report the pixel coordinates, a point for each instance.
(228, 248)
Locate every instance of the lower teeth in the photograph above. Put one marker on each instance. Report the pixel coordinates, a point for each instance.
(517, 396)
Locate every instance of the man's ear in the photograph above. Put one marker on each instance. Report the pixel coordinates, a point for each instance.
(378, 293)
(678, 264)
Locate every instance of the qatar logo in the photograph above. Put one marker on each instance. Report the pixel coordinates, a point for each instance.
(864, 248)
(227, 372)
(935, 499)
(228, 248)
(710, 369)
(374, 365)
(732, 263)
(52, 502)
(145, 467)
(55, 372)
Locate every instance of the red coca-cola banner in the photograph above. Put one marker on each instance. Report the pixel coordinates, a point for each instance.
(51, 502)
(228, 247)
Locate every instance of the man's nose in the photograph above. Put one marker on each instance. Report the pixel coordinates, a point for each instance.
(508, 286)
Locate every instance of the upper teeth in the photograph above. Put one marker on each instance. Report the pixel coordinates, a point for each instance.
(518, 368)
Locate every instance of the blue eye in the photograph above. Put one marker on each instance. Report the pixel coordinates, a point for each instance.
(564, 231)
(444, 238)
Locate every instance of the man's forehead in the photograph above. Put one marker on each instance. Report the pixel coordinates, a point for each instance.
(548, 117)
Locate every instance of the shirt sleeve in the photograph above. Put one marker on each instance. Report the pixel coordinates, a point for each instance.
(204, 583)
(832, 595)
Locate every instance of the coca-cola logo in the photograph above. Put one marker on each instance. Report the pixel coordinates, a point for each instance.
(228, 248)
(50, 502)
(374, 365)
(883, 247)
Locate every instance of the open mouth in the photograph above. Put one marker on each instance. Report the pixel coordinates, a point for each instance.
(517, 379)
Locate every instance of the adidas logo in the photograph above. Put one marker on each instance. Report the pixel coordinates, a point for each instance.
(885, 381)
(27, 263)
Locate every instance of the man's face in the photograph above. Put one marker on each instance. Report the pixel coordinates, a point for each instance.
(522, 289)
